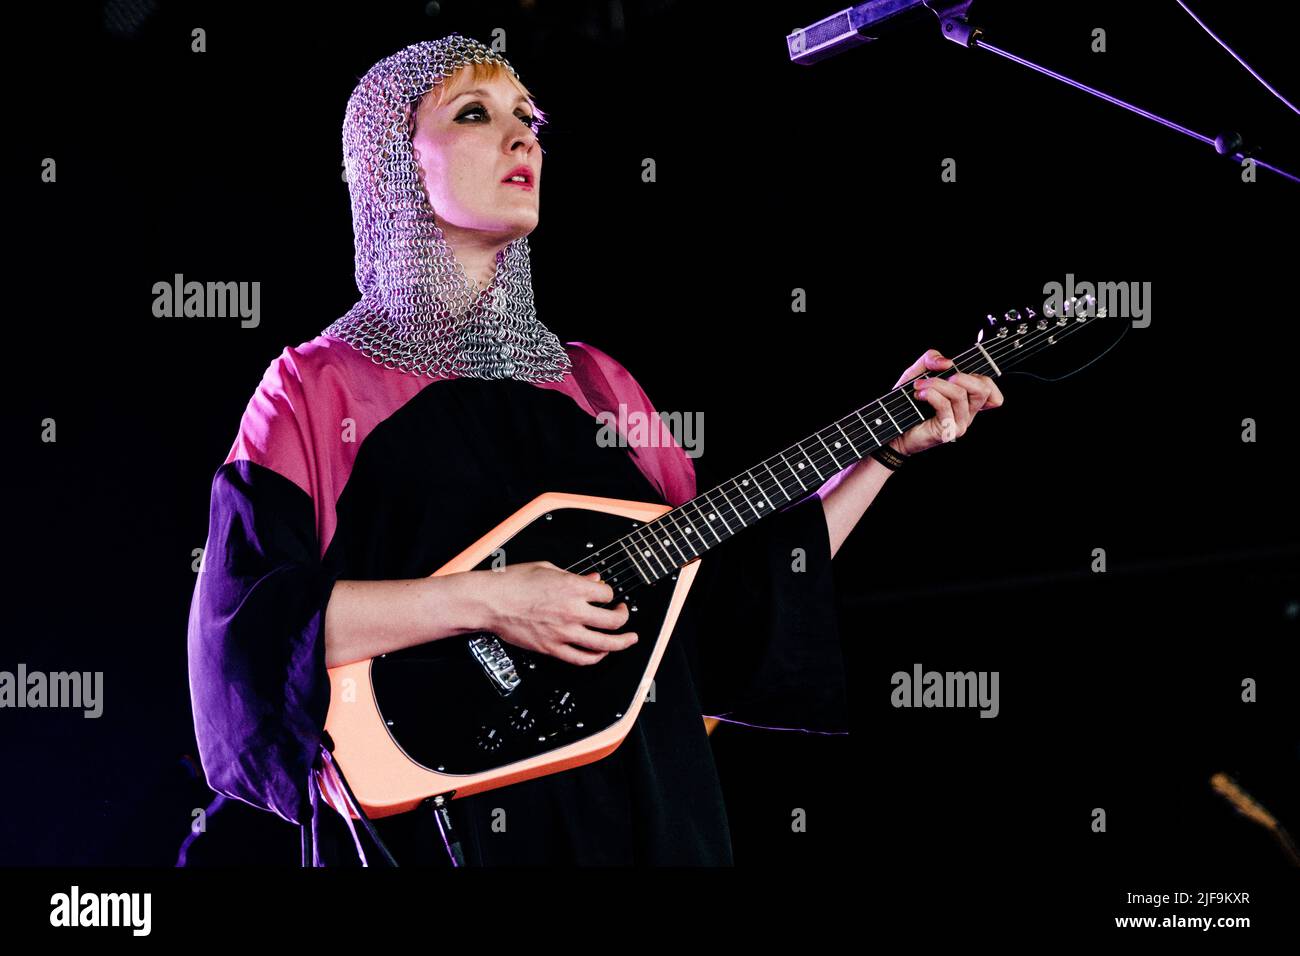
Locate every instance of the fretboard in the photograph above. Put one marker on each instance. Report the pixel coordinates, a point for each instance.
(658, 548)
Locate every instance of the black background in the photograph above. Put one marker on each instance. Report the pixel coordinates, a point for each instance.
(1118, 690)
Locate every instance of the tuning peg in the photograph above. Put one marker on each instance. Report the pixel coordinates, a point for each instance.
(1013, 316)
(992, 321)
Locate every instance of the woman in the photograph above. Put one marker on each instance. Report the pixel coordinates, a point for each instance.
(437, 406)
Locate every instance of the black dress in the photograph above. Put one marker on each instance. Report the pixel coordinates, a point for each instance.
(345, 470)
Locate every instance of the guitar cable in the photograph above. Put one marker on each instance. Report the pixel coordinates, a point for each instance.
(327, 748)
(441, 816)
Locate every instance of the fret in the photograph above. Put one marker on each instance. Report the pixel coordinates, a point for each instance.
(759, 485)
(723, 518)
(741, 489)
(632, 556)
(868, 428)
(704, 516)
(735, 512)
(879, 423)
(912, 403)
(848, 439)
(671, 540)
(891, 417)
(795, 473)
(672, 516)
(811, 462)
(697, 523)
(779, 486)
(834, 460)
(649, 550)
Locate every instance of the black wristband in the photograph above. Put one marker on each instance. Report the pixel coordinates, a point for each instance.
(889, 458)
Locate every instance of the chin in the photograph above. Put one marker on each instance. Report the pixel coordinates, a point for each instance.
(519, 226)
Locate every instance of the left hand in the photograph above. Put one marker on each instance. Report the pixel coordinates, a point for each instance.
(955, 400)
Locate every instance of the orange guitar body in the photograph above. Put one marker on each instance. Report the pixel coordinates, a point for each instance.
(392, 765)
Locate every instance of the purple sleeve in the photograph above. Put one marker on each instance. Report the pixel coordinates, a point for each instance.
(258, 683)
(766, 641)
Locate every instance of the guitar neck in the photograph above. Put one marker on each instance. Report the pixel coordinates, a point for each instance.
(658, 548)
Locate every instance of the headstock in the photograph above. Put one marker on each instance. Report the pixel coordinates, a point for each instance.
(1017, 334)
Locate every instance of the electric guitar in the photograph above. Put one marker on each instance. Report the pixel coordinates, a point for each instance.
(465, 714)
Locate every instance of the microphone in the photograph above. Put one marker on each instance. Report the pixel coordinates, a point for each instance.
(860, 25)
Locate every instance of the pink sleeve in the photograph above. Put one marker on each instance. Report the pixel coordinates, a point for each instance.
(606, 385)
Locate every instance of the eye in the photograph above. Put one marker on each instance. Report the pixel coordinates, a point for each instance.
(529, 121)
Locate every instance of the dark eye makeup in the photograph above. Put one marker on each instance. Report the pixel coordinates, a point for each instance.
(528, 121)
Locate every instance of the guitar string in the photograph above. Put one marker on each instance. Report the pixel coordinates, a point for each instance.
(897, 401)
(1030, 344)
(890, 405)
(1036, 343)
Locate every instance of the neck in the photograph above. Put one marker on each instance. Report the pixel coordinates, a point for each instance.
(475, 251)
(658, 548)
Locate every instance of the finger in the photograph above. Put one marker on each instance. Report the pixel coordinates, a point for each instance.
(959, 403)
(929, 361)
(977, 388)
(935, 361)
(573, 655)
(606, 619)
(942, 410)
(595, 590)
(995, 398)
(587, 639)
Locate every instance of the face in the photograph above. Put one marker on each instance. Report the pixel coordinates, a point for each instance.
(467, 148)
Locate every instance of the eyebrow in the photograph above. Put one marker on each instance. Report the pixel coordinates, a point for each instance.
(521, 99)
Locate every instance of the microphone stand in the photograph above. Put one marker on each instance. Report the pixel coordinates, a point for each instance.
(954, 26)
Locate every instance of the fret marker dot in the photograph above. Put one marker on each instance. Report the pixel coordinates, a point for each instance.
(837, 444)
(800, 464)
(745, 482)
(712, 517)
(877, 421)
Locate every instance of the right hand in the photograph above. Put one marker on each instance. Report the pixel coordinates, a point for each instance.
(543, 608)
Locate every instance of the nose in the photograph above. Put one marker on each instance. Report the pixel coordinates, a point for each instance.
(524, 136)
(527, 138)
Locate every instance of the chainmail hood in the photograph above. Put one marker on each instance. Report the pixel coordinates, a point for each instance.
(418, 311)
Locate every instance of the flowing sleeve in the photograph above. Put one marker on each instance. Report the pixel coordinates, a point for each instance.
(765, 639)
(258, 683)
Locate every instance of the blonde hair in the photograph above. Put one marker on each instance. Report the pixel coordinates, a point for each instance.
(468, 75)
